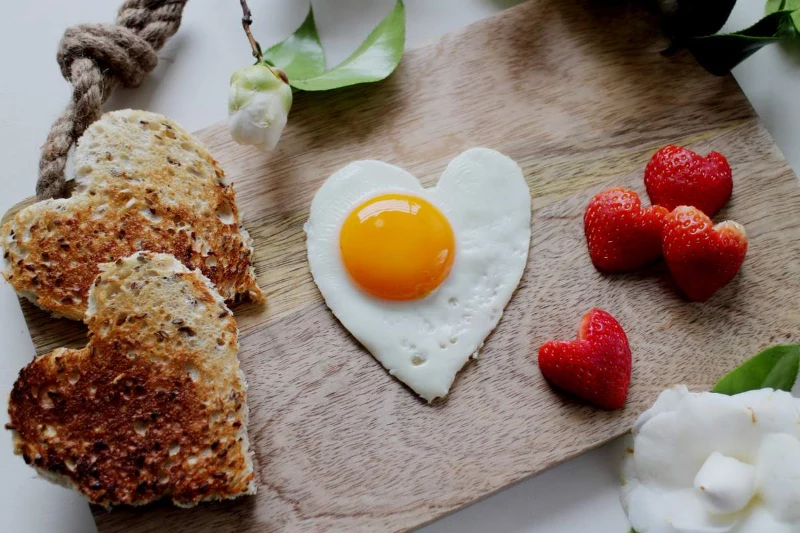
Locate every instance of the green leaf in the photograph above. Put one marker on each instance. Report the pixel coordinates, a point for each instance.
(373, 60)
(720, 53)
(301, 55)
(776, 367)
(784, 374)
(774, 6)
(702, 17)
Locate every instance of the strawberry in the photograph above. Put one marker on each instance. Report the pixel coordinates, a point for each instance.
(702, 257)
(677, 176)
(596, 367)
(622, 235)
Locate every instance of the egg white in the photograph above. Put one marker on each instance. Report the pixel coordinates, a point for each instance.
(485, 198)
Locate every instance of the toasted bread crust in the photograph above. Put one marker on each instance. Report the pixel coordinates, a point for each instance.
(154, 406)
(143, 184)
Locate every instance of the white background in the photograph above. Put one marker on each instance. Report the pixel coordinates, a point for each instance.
(190, 86)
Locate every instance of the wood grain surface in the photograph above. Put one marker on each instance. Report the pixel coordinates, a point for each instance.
(579, 95)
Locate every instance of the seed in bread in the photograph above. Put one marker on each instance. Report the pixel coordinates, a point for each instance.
(142, 183)
(154, 406)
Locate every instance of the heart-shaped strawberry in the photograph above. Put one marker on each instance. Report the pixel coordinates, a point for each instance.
(702, 257)
(677, 176)
(622, 235)
(596, 367)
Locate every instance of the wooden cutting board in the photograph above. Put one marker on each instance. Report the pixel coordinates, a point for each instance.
(578, 94)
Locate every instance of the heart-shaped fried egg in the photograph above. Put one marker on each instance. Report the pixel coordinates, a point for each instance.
(421, 276)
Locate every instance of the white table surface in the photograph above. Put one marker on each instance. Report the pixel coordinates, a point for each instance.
(190, 85)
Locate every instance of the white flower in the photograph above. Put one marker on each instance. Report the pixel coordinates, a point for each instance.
(259, 100)
(710, 463)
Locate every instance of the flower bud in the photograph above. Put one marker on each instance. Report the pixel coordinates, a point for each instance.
(259, 100)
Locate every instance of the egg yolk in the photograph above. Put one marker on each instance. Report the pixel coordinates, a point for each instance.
(397, 246)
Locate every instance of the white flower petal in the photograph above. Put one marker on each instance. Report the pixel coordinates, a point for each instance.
(657, 454)
(779, 476)
(714, 422)
(724, 484)
(688, 514)
(667, 401)
(772, 411)
(677, 511)
(760, 520)
(273, 133)
(645, 512)
(246, 128)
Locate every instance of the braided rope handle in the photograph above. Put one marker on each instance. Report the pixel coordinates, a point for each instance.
(95, 58)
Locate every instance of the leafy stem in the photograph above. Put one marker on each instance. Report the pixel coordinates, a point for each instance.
(247, 21)
(302, 58)
(696, 25)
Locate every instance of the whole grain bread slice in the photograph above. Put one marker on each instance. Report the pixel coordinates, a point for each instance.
(154, 406)
(142, 183)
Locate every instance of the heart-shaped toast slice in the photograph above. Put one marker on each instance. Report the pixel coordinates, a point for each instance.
(142, 183)
(421, 276)
(154, 406)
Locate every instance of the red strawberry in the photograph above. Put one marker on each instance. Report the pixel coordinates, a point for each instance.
(677, 176)
(596, 367)
(702, 257)
(620, 234)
